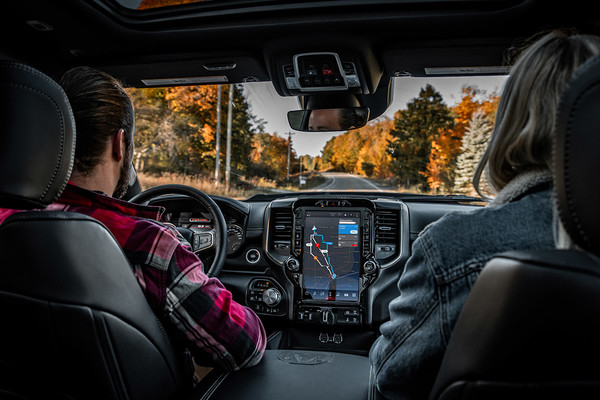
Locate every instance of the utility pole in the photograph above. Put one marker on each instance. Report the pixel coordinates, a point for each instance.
(288, 157)
(218, 138)
(228, 155)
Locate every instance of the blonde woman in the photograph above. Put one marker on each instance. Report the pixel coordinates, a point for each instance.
(449, 254)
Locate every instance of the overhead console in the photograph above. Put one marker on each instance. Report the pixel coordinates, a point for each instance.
(318, 72)
(323, 72)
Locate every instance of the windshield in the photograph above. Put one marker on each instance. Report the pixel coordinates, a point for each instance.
(235, 140)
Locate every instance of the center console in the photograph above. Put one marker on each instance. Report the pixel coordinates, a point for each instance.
(330, 260)
(331, 263)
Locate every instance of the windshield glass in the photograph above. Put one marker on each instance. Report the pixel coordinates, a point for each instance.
(235, 140)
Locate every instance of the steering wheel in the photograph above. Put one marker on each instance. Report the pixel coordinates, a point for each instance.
(220, 230)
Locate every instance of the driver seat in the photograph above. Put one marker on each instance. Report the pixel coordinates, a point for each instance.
(75, 323)
(530, 328)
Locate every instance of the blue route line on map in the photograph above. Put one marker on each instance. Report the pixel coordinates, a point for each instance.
(314, 229)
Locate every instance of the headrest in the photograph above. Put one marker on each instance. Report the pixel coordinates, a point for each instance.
(38, 137)
(577, 157)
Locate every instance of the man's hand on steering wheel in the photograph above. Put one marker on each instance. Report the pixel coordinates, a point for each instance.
(199, 241)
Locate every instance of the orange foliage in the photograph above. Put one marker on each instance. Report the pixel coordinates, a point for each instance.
(199, 104)
(193, 99)
(208, 133)
(363, 151)
(374, 152)
(269, 154)
(446, 148)
(438, 161)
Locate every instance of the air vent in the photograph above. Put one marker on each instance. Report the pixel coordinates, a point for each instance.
(281, 227)
(386, 226)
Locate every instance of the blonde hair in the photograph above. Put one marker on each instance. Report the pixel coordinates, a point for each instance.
(522, 135)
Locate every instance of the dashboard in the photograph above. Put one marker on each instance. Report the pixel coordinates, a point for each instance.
(319, 268)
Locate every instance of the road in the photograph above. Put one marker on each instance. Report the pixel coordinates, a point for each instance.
(344, 181)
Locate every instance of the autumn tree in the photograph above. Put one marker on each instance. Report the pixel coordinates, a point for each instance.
(160, 133)
(177, 128)
(341, 152)
(362, 151)
(317, 163)
(414, 131)
(447, 146)
(475, 141)
(374, 159)
(307, 163)
(269, 156)
(196, 105)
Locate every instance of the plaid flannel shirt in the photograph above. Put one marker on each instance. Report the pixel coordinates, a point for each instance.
(218, 331)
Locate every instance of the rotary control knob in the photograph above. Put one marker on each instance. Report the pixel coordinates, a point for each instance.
(292, 264)
(271, 297)
(369, 266)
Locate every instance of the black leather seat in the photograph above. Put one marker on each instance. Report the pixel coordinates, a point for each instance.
(531, 325)
(74, 321)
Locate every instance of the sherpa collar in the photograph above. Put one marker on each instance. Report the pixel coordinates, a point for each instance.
(520, 185)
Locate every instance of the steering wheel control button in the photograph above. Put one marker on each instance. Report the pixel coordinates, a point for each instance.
(202, 241)
(265, 297)
(252, 256)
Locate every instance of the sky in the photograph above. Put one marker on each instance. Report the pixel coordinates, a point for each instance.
(267, 105)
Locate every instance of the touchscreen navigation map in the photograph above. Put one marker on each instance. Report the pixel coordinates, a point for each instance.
(331, 255)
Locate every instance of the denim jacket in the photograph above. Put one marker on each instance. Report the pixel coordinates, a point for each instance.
(446, 259)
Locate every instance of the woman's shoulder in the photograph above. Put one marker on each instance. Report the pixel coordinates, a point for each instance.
(478, 233)
(531, 206)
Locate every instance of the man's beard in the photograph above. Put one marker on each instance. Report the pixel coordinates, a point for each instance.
(125, 175)
(123, 182)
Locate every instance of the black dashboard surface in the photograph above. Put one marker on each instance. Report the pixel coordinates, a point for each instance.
(321, 267)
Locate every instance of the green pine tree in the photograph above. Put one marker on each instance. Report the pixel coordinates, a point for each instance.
(414, 130)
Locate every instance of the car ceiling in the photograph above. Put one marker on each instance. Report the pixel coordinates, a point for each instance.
(395, 38)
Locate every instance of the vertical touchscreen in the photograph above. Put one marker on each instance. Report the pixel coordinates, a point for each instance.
(331, 255)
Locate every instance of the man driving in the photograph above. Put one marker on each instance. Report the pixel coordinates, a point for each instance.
(217, 330)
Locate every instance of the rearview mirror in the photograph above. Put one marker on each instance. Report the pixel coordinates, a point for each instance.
(328, 119)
